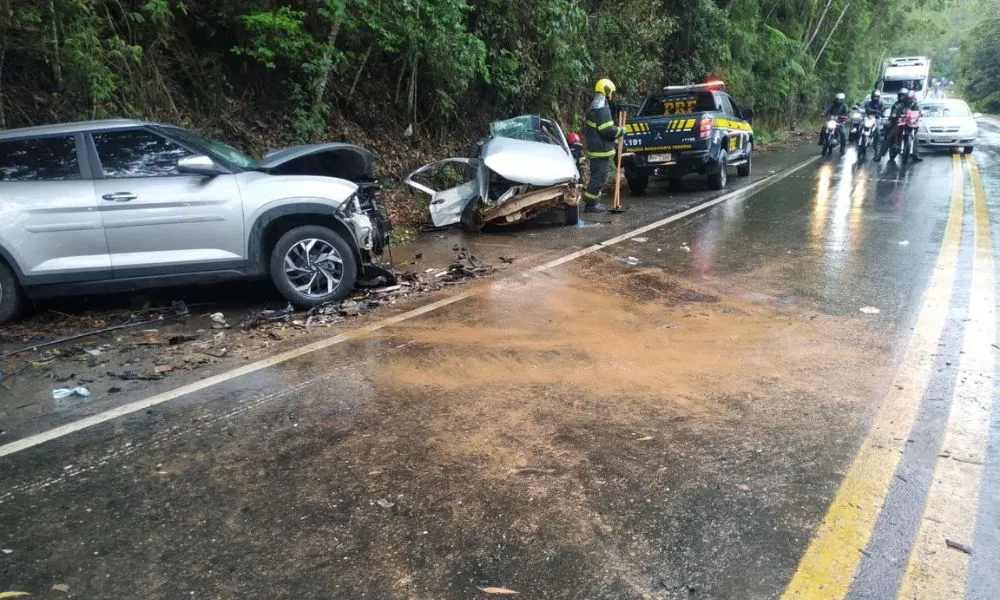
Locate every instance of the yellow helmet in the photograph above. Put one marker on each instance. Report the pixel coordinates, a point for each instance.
(605, 86)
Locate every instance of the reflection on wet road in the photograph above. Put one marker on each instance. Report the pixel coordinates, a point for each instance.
(700, 410)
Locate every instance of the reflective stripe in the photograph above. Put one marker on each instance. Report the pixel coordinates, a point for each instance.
(591, 124)
(602, 154)
(590, 196)
(604, 126)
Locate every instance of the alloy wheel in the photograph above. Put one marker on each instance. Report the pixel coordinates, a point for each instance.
(314, 267)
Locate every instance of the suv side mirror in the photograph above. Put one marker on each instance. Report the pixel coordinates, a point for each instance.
(977, 115)
(199, 164)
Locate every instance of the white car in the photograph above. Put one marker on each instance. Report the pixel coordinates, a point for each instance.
(948, 123)
(523, 169)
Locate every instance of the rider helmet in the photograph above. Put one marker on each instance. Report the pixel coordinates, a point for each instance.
(840, 96)
(876, 95)
(605, 86)
(903, 92)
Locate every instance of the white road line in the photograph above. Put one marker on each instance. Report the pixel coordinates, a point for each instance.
(139, 405)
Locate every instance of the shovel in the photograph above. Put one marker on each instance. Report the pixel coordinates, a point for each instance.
(616, 206)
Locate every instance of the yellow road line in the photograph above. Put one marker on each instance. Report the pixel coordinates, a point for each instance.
(934, 570)
(827, 568)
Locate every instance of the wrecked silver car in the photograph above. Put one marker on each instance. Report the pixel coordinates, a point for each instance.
(525, 168)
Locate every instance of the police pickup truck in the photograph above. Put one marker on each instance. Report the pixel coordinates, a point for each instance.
(687, 129)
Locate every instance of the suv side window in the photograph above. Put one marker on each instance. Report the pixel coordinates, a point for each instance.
(137, 153)
(734, 107)
(40, 159)
(727, 105)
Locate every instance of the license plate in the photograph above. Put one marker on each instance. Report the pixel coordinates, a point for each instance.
(944, 140)
(660, 158)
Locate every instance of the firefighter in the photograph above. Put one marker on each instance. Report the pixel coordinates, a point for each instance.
(600, 135)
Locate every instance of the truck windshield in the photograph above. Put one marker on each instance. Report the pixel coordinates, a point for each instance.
(892, 86)
(681, 103)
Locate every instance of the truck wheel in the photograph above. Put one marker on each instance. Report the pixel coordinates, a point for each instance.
(11, 297)
(572, 214)
(745, 169)
(718, 180)
(313, 265)
(638, 181)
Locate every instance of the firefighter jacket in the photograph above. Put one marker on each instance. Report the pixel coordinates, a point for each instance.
(601, 130)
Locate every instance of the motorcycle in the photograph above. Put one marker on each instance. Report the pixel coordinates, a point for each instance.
(883, 135)
(831, 132)
(905, 141)
(855, 129)
(868, 137)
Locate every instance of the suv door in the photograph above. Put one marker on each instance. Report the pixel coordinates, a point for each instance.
(49, 223)
(738, 137)
(157, 220)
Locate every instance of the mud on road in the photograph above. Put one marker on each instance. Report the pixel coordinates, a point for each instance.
(529, 437)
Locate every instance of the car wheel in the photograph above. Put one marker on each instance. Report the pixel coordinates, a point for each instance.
(11, 297)
(969, 149)
(313, 265)
(638, 181)
(718, 180)
(745, 169)
(572, 214)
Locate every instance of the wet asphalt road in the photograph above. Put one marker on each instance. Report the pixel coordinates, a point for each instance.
(675, 415)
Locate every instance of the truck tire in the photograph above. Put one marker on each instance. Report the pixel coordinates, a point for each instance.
(746, 168)
(718, 179)
(11, 296)
(304, 266)
(638, 181)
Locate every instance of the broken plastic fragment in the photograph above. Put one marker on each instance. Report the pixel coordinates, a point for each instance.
(67, 392)
(641, 240)
(628, 260)
(904, 243)
(869, 310)
(498, 590)
(384, 503)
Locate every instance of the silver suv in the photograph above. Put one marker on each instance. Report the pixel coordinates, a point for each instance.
(104, 206)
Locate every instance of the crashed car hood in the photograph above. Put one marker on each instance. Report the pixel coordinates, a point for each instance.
(345, 161)
(533, 163)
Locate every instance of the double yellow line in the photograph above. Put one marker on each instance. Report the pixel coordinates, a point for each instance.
(828, 566)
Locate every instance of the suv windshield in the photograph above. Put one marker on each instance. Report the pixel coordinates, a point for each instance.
(682, 103)
(212, 147)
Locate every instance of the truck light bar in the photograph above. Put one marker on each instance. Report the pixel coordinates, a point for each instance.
(698, 87)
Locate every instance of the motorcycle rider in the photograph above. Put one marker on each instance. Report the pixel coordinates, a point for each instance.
(874, 105)
(835, 110)
(600, 136)
(907, 100)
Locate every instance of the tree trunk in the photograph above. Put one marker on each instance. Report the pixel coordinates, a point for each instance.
(56, 65)
(361, 69)
(327, 61)
(818, 25)
(3, 55)
(411, 108)
(832, 31)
